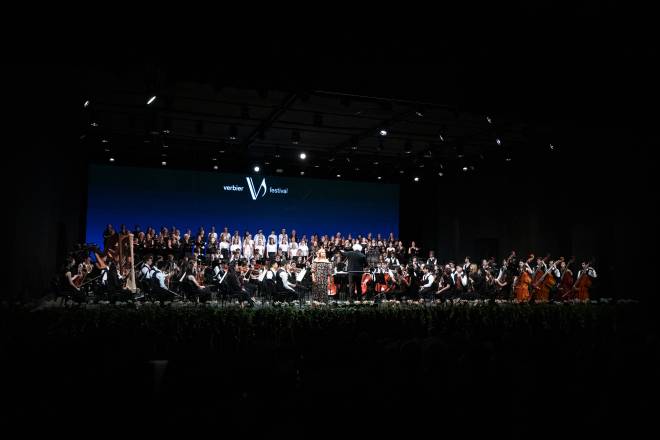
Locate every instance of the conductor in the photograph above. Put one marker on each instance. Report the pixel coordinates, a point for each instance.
(355, 262)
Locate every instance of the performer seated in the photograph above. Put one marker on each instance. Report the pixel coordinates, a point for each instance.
(426, 290)
(159, 289)
(190, 285)
(284, 288)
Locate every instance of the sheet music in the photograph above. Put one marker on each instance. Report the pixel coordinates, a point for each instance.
(301, 275)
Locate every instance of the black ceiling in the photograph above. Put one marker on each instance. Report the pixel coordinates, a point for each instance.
(546, 72)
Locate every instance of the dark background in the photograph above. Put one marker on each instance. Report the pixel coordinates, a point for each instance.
(587, 70)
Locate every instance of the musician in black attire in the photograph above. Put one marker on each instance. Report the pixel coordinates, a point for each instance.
(67, 287)
(355, 262)
(234, 286)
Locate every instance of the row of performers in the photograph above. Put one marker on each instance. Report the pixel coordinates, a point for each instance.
(348, 276)
(224, 245)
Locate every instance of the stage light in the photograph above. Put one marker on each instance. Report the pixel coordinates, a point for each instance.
(104, 141)
(166, 131)
(383, 132)
(112, 159)
(266, 163)
(215, 167)
(317, 166)
(303, 156)
(440, 174)
(338, 175)
(214, 158)
(416, 179)
(295, 137)
(163, 163)
(233, 132)
(86, 104)
(94, 124)
(279, 170)
(465, 168)
(163, 155)
(508, 159)
(151, 100)
(222, 151)
(498, 141)
(302, 173)
(552, 147)
(256, 169)
(407, 148)
(107, 150)
(441, 137)
(380, 178)
(165, 146)
(401, 172)
(420, 114)
(490, 121)
(376, 163)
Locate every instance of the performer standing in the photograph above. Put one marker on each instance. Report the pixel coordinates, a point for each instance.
(271, 248)
(321, 271)
(355, 267)
(522, 281)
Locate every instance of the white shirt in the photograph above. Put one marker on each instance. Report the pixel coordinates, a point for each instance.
(160, 276)
(304, 249)
(429, 278)
(285, 281)
(271, 248)
(463, 278)
(591, 272)
(145, 272)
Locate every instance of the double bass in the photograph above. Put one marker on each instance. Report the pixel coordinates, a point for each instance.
(566, 282)
(583, 283)
(546, 282)
(367, 279)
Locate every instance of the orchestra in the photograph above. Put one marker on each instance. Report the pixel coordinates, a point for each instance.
(282, 267)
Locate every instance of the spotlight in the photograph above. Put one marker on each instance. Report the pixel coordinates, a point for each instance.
(105, 141)
(401, 172)
(380, 178)
(214, 159)
(440, 174)
(233, 132)
(498, 141)
(383, 132)
(338, 175)
(303, 156)
(256, 169)
(376, 163)
(302, 173)
(552, 147)
(416, 179)
(94, 124)
(317, 166)
(490, 121)
(86, 104)
(465, 168)
(420, 114)
(508, 159)
(163, 163)
(151, 100)
(112, 159)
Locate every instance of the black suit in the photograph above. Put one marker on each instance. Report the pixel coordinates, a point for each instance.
(355, 267)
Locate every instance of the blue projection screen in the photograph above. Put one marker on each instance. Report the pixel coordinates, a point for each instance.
(244, 202)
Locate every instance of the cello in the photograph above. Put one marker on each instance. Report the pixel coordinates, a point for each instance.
(543, 285)
(367, 278)
(581, 286)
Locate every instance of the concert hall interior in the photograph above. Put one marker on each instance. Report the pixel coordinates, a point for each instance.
(514, 161)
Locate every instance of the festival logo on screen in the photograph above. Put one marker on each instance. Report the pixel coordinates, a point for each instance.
(255, 192)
